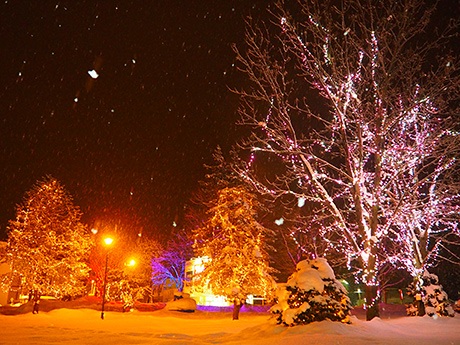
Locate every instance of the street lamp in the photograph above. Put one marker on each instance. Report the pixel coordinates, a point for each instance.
(108, 241)
(359, 292)
(131, 263)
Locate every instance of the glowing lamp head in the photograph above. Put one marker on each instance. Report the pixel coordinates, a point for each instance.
(131, 263)
(108, 241)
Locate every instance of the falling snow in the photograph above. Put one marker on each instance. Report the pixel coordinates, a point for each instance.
(93, 74)
(130, 146)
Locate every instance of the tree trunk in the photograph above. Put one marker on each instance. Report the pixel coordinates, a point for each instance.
(236, 308)
(372, 304)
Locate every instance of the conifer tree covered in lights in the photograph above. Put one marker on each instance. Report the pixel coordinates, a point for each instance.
(48, 246)
(434, 298)
(311, 294)
(236, 244)
(356, 105)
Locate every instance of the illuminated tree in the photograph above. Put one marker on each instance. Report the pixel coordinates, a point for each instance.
(312, 294)
(169, 265)
(128, 265)
(48, 246)
(218, 176)
(303, 233)
(356, 106)
(137, 270)
(235, 242)
(431, 294)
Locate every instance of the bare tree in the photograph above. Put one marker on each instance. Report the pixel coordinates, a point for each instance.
(356, 104)
(169, 265)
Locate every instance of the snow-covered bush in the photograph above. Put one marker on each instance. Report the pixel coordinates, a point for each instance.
(182, 302)
(311, 294)
(435, 299)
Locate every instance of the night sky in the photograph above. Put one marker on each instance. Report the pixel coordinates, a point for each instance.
(129, 145)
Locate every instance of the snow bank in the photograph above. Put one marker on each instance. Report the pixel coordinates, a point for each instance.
(84, 326)
(185, 304)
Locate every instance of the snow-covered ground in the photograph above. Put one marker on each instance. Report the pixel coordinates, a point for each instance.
(84, 326)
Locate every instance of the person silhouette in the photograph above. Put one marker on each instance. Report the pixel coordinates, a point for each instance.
(36, 300)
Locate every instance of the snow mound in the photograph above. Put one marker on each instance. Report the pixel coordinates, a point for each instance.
(84, 326)
(185, 304)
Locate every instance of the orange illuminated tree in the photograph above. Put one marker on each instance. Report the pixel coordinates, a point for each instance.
(236, 244)
(129, 268)
(48, 246)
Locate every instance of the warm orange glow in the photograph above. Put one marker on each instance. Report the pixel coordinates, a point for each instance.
(198, 264)
(108, 241)
(131, 263)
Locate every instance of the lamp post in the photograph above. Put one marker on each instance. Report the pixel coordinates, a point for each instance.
(127, 295)
(108, 241)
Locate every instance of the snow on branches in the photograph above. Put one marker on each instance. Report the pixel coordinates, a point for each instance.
(355, 112)
(430, 297)
(48, 246)
(236, 245)
(312, 294)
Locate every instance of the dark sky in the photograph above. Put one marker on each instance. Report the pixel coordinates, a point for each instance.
(129, 145)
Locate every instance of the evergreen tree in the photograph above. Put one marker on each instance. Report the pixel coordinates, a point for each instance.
(432, 295)
(47, 244)
(218, 176)
(235, 242)
(312, 294)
